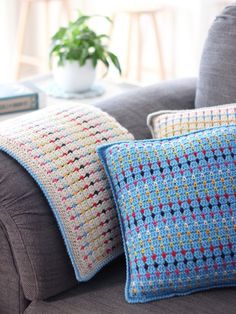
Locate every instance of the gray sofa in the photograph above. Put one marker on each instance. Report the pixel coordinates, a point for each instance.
(36, 276)
(35, 273)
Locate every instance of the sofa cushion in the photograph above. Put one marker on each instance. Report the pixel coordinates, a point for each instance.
(176, 200)
(104, 295)
(173, 123)
(216, 84)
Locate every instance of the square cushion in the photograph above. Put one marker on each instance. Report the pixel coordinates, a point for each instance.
(176, 201)
(171, 123)
(57, 147)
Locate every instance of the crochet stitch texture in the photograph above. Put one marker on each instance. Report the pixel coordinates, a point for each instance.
(172, 123)
(57, 146)
(176, 200)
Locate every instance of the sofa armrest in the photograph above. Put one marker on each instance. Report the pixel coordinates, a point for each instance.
(12, 298)
(35, 243)
(131, 108)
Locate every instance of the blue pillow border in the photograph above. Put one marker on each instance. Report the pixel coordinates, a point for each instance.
(101, 153)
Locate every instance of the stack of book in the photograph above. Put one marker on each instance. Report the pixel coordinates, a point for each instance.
(17, 97)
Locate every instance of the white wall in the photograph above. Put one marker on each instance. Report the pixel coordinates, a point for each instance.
(8, 24)
(181, 47)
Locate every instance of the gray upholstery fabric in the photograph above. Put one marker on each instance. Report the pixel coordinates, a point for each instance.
(105, 294)
(217, 77)
(131, 108)
(37, 246)
(11, 295)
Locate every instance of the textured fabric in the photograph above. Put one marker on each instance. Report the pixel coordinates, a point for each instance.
(57, 147)
(176, 200)
(12, 300)
(216, 83)
(171, 123)
(34, 239)
(131, 108)
(21, 198)
(110, 283)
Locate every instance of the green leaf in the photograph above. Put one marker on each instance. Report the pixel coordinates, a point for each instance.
(115, 61)
(103, 16)
(60, 33)
(103, 36)
(108, 19)
(83, 57)
(94, 60)
(106, 63)
(82, 19)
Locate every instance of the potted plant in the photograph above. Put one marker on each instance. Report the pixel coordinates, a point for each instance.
(77, 49)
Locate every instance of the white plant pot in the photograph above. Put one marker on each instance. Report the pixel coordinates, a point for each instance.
(73, 78)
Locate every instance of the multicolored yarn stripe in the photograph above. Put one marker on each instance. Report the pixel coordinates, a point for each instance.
(57, 146)
(176, 200)
(171, 123)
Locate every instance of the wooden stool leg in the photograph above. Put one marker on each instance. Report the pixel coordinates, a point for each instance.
(173, 61)
(158, 43)
(45, 64)
(24, 13)
(66, 7)
(140, 44)
(111, 28)
(129, 41)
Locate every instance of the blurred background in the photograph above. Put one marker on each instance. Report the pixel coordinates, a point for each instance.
(154, 39)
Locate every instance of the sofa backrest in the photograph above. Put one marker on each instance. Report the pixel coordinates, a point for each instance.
(216, 83)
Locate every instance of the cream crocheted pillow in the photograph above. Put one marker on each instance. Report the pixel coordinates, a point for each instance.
(57, 146)
(172, 123)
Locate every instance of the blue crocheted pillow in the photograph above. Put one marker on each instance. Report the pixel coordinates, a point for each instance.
(176, 201)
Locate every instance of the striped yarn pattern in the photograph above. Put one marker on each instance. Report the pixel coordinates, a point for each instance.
(173, 123)
(57, 146)
(176, 200)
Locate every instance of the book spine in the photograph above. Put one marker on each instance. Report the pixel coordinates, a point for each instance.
(24, 103)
